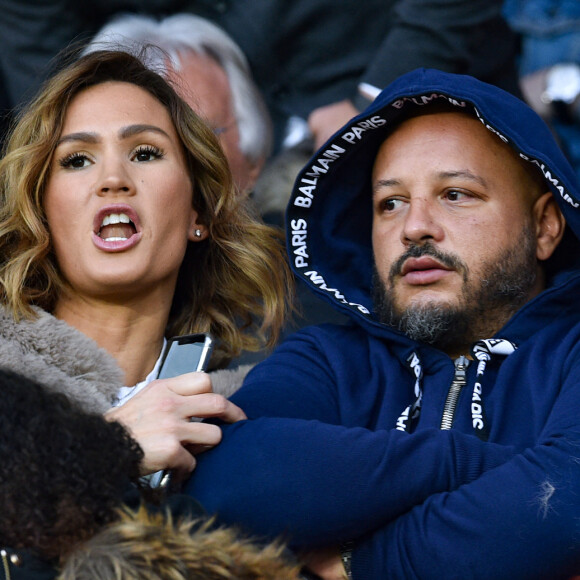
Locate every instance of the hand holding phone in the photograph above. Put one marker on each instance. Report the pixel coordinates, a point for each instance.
(183, 354)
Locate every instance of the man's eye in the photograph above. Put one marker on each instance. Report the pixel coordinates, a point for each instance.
(74, 161)
(147, 153)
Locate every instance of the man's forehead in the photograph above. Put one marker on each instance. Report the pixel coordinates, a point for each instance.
(424, 122)
(446, 114)
(438, 112)
(203, 84)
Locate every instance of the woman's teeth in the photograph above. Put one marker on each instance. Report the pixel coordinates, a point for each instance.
(116, 218)
(116, 227)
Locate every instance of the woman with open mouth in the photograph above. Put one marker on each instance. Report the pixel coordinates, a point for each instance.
(120, 227)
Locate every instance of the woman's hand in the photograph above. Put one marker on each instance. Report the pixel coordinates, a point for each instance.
(158, 417)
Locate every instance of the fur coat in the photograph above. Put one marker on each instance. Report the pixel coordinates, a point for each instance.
(60, 357)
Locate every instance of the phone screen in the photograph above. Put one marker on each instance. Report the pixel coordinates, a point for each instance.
(185, 354)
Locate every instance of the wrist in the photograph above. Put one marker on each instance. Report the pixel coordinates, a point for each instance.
(365, 95)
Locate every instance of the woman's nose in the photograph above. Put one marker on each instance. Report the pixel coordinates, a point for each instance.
(115, 178)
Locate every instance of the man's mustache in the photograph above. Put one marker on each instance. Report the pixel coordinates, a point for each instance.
(451, 261)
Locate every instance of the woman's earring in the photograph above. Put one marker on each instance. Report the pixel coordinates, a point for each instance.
(197, 233)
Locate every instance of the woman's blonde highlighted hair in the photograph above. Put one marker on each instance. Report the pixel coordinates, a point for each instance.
(235, 285)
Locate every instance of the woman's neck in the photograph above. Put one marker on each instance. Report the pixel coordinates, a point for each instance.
(131, 333)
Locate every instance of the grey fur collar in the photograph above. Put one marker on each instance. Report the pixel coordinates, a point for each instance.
(57, 355)
(53, 353)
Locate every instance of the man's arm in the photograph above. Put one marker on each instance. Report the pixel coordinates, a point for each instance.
(459, 36)
(423, 500)
(520, 520)
(294, 468)
(322, 484)
(451, 515)
(468, 37)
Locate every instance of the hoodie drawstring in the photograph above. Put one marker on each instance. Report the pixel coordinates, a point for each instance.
(482, 351)
(412, 412)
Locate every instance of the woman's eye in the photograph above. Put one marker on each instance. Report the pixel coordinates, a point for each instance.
(74, 161)
(147, 153)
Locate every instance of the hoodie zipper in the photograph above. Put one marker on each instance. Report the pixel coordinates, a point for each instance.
(459, 381)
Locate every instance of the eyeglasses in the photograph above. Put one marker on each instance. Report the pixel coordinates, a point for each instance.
(220, 130)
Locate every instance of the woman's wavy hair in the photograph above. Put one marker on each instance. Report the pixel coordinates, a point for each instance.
(64, 471)
(235, 285)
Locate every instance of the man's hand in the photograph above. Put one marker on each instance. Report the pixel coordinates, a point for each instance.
(159, 416)
(325, 121)
(325, 563)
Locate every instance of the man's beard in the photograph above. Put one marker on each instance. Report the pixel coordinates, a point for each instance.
(483, 307)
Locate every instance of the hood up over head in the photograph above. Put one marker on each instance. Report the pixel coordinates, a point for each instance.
(329, 216)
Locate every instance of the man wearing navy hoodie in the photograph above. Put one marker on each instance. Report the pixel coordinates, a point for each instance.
(437, 435)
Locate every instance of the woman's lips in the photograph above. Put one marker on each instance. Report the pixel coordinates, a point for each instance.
(116, 245)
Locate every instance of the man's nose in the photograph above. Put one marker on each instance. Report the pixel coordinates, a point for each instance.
(421, 222)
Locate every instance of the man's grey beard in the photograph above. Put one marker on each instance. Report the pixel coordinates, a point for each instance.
(484, 306)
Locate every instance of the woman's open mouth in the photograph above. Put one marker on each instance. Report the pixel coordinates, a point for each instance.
(116, 228)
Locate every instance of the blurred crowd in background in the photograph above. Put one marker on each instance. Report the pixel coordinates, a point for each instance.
(296, 71)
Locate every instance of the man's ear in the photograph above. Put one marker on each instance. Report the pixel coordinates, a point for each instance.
(550, 224)
(254, 170)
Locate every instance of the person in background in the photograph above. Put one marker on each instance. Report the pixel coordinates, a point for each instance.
(315, 62)
(549, 65)
(120, 227)
(437, 434)
(211, 74)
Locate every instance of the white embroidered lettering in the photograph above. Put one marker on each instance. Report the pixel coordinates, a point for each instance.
(302, 202)
(299, 226)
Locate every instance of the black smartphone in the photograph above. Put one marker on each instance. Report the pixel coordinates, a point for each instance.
(185, 354)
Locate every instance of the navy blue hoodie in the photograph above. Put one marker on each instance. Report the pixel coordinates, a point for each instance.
(346, 438)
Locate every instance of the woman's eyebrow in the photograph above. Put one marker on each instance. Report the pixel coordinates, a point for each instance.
(83, 136)
(131, 130)
(124, 133)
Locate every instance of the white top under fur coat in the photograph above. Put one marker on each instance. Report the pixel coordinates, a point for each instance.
(60, 357)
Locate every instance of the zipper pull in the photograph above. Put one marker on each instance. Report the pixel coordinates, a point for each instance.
(461, 363)
(459, 381)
